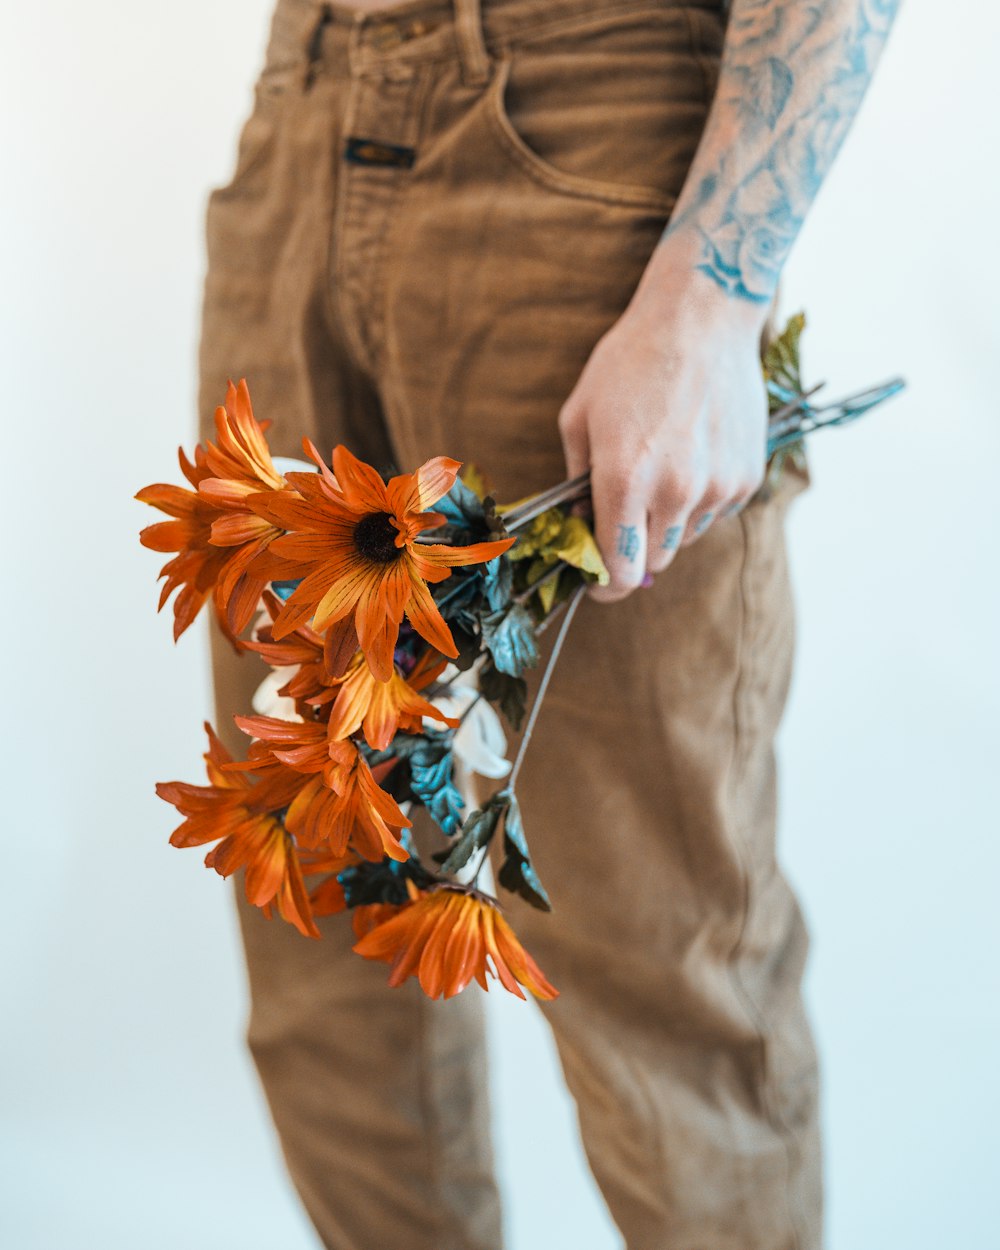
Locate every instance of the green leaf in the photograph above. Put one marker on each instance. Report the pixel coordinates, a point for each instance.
(476, 833)
(509, 636)
(781, 361)
(507, 693)
(517, 873)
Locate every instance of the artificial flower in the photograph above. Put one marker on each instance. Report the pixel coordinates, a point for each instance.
(243, 816)
(382, 708)
(479, 741)
(216, 536)
(196, 570)
(341, 805)
(368, 916)
(353, 542)
(299, 655)
(269, 700)
(448, 935)
(358, 699)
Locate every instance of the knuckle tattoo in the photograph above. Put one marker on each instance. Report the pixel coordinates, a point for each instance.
(703, 522)
(628, 542)
(672, 538)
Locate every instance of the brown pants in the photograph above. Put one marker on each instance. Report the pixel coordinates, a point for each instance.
(435, 215)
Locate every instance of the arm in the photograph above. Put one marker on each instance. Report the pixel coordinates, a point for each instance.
(670, 412)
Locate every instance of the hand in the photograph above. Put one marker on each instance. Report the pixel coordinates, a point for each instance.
(670, 415)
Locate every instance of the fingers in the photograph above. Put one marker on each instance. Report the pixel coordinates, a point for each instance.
(716, 503)
(672, 516)
(620, 514)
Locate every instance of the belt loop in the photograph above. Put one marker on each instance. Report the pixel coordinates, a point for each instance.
(471, 43)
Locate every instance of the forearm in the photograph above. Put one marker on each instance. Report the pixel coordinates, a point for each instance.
(792, 77)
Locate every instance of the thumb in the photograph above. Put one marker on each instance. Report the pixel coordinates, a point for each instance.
(576, 446)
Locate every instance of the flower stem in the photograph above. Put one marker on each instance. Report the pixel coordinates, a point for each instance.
(465, 714)
(572, 603)
(549, 573)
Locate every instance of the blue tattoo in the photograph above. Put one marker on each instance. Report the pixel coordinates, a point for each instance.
(628, 541)
(748, 229)
(703, 522)
(672, 538)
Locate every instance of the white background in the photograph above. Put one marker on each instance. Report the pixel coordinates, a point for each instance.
(131, 1117)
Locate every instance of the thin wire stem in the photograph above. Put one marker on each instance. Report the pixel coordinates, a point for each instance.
(547, 576)
(571, 606)
(462, 718)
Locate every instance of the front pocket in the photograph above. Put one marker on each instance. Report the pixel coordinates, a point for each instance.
(611, 111)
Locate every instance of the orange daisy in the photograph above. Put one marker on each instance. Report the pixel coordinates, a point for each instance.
(342, 805)
(327, 897)
(368, 916)
(302, 649)
(382, 708)
(216, 535)
(197, 568)
(243, 813)
(241, 466)
(359, 700)
(353, 541)
(448, 935)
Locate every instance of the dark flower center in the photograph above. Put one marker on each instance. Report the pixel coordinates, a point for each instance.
(375, 537)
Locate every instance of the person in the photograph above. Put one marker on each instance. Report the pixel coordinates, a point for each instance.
(545, 236)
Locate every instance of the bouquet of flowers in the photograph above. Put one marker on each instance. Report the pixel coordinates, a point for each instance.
(398, 615)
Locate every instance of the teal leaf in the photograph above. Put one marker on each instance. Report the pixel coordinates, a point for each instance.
(517, 873)
(432, 780)
(507, 693)
(509, 636)
(498, 581)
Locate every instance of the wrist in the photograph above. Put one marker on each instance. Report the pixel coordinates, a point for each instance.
(673, 287)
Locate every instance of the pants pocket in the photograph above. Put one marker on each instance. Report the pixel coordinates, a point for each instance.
(609, 109)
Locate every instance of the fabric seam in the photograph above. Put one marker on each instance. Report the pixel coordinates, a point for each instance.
(745, 673)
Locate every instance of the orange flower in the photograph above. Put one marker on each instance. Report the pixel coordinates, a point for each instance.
(368, 916)
(449, 935)
(302, 649)
(383, 707)
(241, 465)
(353, 542)
(328, 896)
(216, 535)
(243, 814)
(341, 806)
(197, 568)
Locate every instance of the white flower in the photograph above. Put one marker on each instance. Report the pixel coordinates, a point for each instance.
(288, 464)
(267, 702)
(480, 742)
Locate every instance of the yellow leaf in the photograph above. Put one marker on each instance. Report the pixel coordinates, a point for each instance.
(475, 479)
(576, 544)
(547, 593)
